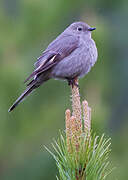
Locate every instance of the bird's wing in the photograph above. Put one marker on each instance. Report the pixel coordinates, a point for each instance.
(60, 48)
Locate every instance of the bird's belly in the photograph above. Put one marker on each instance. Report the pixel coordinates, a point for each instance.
(77, 63)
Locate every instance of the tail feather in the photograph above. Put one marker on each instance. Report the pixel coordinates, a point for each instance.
(22, 97)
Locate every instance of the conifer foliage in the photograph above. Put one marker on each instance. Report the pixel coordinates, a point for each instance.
(80, 154)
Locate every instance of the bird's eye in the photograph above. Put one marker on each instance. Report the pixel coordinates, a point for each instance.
(79, 29)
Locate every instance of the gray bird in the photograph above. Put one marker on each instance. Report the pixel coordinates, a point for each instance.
(71, 55)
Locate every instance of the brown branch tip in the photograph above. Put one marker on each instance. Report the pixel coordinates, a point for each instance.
(79, 121)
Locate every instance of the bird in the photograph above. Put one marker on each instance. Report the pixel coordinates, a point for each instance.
(71, 55)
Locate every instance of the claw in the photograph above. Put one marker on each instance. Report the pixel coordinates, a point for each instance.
(72, 82)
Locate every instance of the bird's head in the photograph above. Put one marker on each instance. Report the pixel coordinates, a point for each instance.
(80, 28)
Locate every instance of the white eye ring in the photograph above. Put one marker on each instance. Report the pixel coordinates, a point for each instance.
(79, 28)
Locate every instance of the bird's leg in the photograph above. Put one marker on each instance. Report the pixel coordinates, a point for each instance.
(73, 82)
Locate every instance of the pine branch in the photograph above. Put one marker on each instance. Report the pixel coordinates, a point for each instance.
(79, 154)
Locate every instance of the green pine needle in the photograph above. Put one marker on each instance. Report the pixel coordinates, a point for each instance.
(90, 162)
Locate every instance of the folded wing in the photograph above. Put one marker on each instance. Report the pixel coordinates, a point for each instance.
(61, 47)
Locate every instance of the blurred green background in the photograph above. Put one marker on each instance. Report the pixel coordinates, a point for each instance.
(26, 28)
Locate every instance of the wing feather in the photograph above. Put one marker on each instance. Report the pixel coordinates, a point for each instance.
(61, 47)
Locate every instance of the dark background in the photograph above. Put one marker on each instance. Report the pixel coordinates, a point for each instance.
(26, 28)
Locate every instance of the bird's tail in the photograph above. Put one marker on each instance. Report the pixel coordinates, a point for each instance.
(22, 97)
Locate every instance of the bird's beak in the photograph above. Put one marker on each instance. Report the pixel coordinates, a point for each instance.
(91, 28)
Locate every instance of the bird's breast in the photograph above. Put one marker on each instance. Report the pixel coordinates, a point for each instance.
(78, 63)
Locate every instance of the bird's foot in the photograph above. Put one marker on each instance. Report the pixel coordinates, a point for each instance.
(72, 82)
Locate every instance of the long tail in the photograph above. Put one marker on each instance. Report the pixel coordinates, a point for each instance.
(22, 97)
